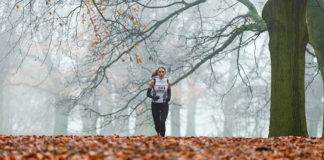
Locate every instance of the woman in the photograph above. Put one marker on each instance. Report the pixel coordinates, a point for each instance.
(160, 92)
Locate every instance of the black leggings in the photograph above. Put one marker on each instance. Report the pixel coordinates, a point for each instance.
(160, 113)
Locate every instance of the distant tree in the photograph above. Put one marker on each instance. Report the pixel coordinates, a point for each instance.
(5, 65)
(315, 26)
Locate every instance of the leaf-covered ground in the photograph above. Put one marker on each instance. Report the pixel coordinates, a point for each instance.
(154, 147)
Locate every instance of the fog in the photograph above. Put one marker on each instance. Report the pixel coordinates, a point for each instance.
(63, 72)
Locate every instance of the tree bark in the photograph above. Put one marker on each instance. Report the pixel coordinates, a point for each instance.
(315, 25)
(288, 38)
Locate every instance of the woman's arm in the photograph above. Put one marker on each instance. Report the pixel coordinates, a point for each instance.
(168, 92)
(148, 93)
(151, 84)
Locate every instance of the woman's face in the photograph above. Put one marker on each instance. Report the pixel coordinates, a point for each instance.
(161, 73)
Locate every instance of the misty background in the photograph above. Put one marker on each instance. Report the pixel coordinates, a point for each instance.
(63, 72)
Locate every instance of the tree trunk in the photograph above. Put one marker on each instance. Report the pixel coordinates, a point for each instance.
(61, 121)
(143, 124)
(228, 122)
(288, 38)
(62, 110)
(139, 121)
(106, 127)
(315, 25)
(175, 121)
(313, 97)
(228, 118)
(121, 123)
(229, 101)
(4, 112)
(2, 109)
(191, 114)
(89, 123)
(175, 111)
(88, 118)
(106, 106)
(5, 65)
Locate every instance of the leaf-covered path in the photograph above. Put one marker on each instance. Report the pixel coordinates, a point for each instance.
(154, 147)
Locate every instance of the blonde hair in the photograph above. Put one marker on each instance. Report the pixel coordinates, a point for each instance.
(155, 73)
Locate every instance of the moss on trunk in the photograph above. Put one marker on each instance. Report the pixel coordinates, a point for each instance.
(288, 38)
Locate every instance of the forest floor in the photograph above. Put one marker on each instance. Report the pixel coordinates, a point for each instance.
(154, 147)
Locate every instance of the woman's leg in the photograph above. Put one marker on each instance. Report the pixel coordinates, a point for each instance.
(164, 115)
(156, 117)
